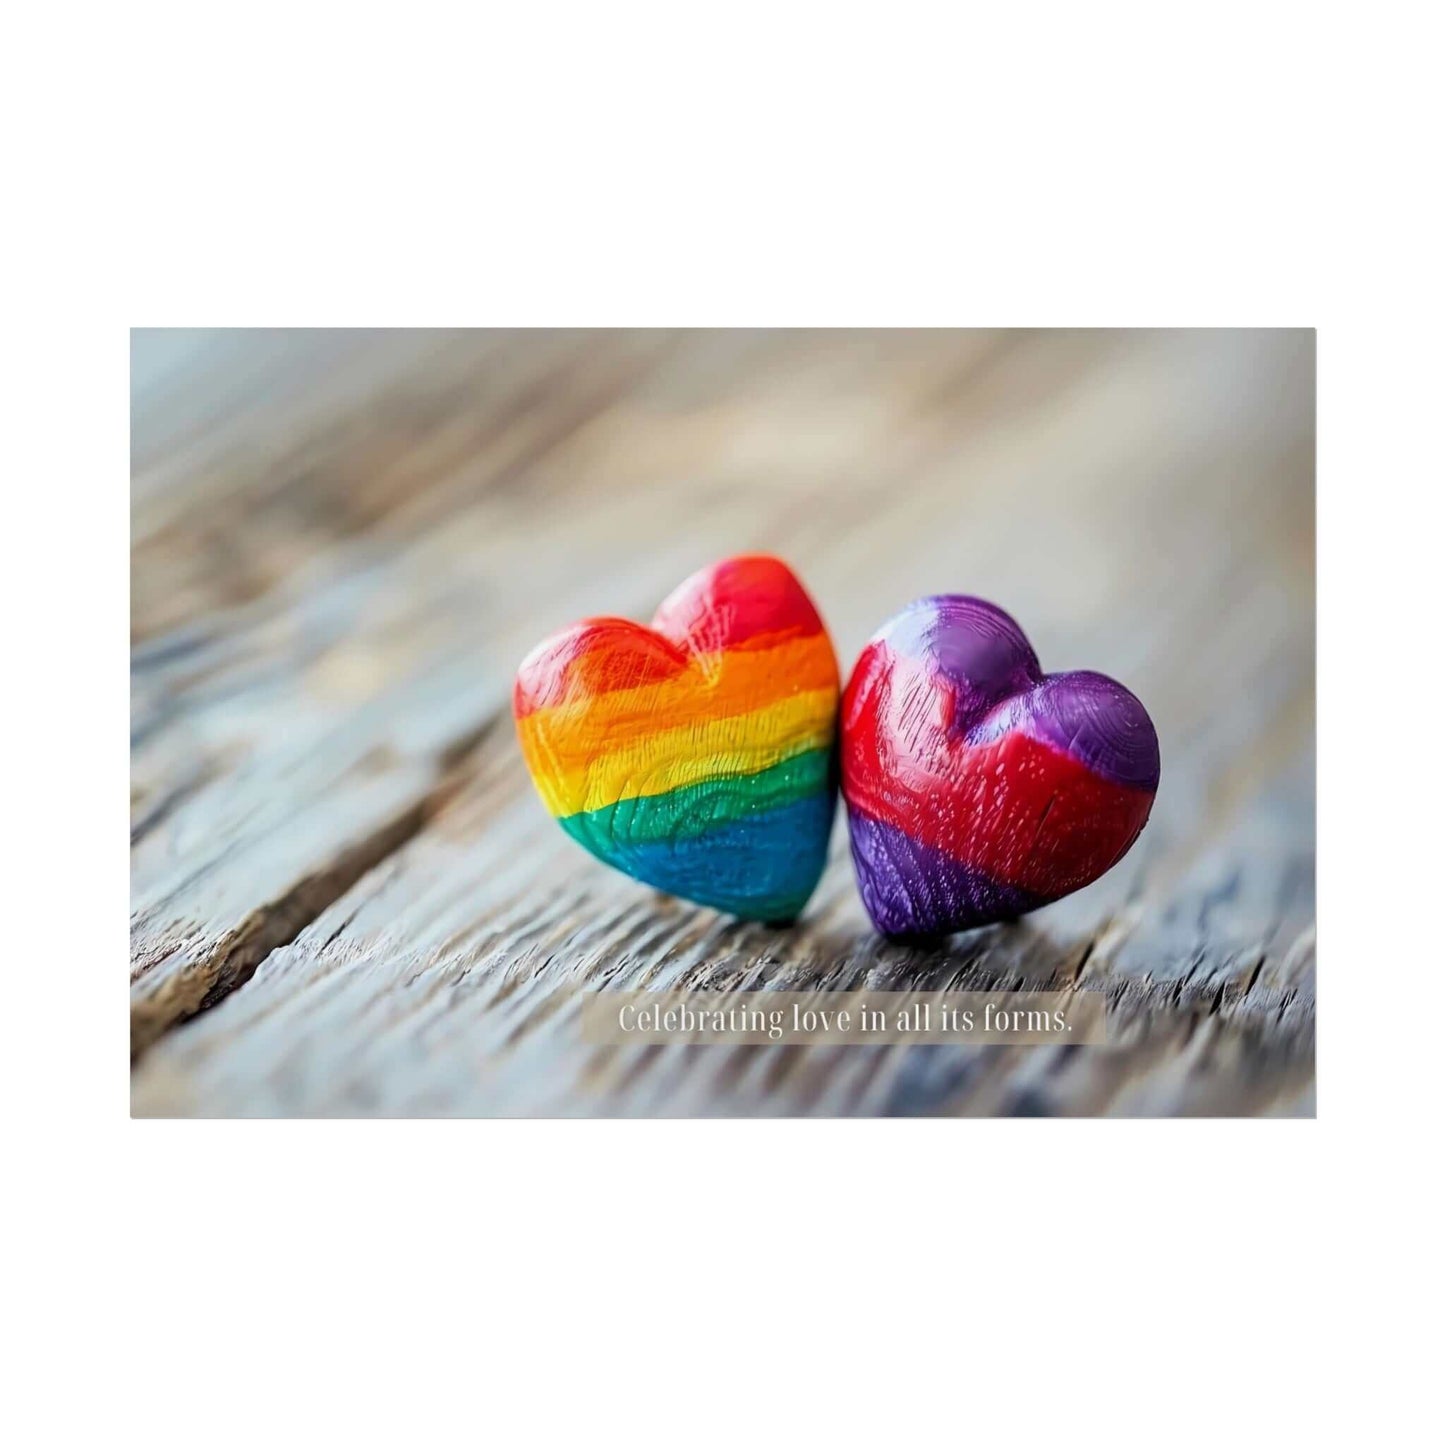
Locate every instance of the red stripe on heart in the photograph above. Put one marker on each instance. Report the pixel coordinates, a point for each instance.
(1014, 808)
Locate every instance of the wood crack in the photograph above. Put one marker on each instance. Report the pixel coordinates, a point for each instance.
(188, 981)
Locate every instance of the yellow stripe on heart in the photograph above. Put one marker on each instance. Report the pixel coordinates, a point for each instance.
(580, 763)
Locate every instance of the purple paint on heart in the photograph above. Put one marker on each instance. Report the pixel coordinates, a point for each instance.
(977, 787)
(999, 685)
(1090, 717)
(977, 646)
(913, 891)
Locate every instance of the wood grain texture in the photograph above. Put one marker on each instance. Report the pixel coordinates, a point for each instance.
(346, 898)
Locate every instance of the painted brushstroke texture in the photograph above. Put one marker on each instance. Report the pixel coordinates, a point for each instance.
(697, 755)
(978, 788)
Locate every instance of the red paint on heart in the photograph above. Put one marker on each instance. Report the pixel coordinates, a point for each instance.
(977, 787)
(1015, 809)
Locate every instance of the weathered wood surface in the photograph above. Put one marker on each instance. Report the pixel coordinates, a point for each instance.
(346, 898)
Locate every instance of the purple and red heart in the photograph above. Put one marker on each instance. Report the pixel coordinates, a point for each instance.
(977, 787)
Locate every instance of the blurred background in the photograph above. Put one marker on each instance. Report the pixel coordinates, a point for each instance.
(345, 898)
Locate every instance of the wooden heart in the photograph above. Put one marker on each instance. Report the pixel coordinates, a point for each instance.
(977, 788)
(698, 755)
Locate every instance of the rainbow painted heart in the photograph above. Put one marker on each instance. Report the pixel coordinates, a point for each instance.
(978, 789)
(698, 755)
